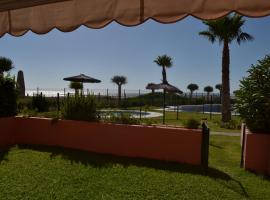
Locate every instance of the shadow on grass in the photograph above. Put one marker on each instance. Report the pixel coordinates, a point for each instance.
(3, 154)
(98, 160)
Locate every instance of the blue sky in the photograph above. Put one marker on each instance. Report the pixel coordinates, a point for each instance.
(130, 51)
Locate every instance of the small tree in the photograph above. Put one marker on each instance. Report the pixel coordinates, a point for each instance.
(164, 61)
(208, 90)
(5, 65)
(119, 81)
(192, 87)
(253, 97)
(219, 88)
(77, 86)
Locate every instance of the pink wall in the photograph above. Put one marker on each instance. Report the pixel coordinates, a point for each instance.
(172, 144)
(6, 130)
(257, 153)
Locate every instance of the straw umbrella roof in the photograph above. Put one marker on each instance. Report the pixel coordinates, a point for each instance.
(164, 86)
(41, 16)
(82, 79)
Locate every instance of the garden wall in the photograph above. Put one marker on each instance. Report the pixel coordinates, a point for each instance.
(6, 132)
(170, 144)
(257, 153)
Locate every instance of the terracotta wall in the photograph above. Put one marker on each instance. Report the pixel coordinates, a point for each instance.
(257, 153)
(174, 144)
(6, 132)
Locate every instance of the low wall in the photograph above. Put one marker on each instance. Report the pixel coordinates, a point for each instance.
(6, 132)
(257, 153)
(171, 144)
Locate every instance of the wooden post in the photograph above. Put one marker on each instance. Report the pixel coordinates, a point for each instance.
(205, 146)
(243, 145)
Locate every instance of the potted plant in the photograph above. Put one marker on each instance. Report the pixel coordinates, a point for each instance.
(253, 105)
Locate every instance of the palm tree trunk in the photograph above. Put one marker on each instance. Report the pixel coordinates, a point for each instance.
(164, 76)
(225, 97)
(119, 94)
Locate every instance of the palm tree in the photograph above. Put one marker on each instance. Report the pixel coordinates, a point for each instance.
(164, 61)
(226, 30)
(192, 87)
(208, 90)
(119, 80)
(218, 87)
(76, 86)
(5, 65)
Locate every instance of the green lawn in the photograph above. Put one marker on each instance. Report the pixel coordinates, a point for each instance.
(31, 172)
(213, 123)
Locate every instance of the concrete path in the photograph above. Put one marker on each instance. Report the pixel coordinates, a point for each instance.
(224, 133)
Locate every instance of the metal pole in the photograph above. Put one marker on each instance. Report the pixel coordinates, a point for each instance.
(64, 92)
(211, 106)
(58, 105)
(140, 104)
(164, 105)
(177, 114)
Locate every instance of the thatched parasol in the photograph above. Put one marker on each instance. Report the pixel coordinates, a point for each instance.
(166, 87)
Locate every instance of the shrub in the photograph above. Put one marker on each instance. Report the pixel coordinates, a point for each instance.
(232, 124)
(40, 103)
(253, 97)
(120, 118)
(8, 97)
(82, 108)
(192, 123)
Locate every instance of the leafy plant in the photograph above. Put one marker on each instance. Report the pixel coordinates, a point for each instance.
(40, 103)
(192, 123)
(121, 118)
(232, 124)
(8, 97)
(82, 108)
(253, 97)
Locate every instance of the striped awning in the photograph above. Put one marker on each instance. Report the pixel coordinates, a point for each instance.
(40, 16)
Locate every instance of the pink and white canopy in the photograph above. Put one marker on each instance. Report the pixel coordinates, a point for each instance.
(41, 16)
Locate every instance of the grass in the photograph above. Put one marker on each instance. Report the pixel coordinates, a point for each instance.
(32, 172)
(213, 123)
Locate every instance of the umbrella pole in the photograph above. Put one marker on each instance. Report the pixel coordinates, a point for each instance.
(164, 105)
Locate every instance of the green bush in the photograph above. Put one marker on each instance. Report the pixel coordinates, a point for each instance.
(253, 97)
(82, 108)
(192, 123)
(232, 124)
(120, 118)
(8, 97)
(40, 103)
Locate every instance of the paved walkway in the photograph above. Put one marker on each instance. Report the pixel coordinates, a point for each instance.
(225, 133)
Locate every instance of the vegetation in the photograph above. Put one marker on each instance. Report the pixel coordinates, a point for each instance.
(77, 86)
(119, 81)
(226, 30)
(5, 65)
(192, 87)
(40, 103)
(192, 123)
(8, 97)
(36, 172)
(253, 97)
(82, 108)
(219, 87)
(208, 90)
(164, 61)
(120, 118)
